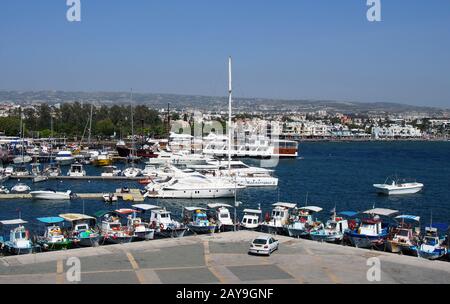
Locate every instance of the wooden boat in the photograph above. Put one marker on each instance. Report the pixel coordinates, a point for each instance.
(277, 221)
(432, 246)
(83, 231)
(333, 231)
(197, 220)
(19, 238)
(111, 228)
(404, 238)
(302, 222)
(53, 238)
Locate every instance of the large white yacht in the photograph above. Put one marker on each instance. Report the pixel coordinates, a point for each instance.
(182, 157)
(191, 185)
(239, 171)
(64, 158)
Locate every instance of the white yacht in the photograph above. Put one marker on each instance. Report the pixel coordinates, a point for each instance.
(181, 157)
(241, 172)
(76, 170)
(192, 185)
(20, 188)
(64, 158)
(51, 195)
(110, 171)
(396, 187)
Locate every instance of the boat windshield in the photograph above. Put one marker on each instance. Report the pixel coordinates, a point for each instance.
(19, 235)
(402, 233)
(431, 241)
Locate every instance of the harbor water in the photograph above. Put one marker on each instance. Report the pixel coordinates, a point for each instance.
(326, 174)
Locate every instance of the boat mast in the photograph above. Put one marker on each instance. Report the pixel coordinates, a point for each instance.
(132, 127)
(230, 91)
(90, 125)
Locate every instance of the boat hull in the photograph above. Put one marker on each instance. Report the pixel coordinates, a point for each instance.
(144, 235)
(49, 196)
(396, 247)
(172, 233)
(202, 229)
(367, 241)
(326, 237)
(193, 194)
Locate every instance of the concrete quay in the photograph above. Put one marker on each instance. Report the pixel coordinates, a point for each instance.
(220, 258)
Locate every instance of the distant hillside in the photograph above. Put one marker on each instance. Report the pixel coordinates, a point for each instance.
(211, 103)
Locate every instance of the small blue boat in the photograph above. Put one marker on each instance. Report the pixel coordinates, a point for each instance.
(432, 246)
(19, 238)
(200, 223)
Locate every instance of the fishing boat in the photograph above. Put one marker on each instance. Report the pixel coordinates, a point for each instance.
(83, 231)
(333, 231)
(251, 219)
(432, 247)
(19, 238)
(301, 222)
(394, 186)
(139, 228)
(111, 228)
(372, 232)
(164, 224)
(50, 194)
(198, 221)
(21, 170)
(53, 238)
(110, 171)
(20, 188)
(76, 170)
(404, 238)
(277, 221)
(64, 158)
(221, 216)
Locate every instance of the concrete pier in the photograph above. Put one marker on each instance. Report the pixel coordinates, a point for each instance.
(222, 258)
(94, 177)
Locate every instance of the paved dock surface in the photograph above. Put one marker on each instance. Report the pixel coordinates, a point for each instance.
(220, 258)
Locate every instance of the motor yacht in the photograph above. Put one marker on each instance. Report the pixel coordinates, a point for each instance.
(76, 170)
(51, 195)
(64, 158)
(398, 187)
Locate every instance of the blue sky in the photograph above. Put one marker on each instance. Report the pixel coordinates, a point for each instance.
(294, 49)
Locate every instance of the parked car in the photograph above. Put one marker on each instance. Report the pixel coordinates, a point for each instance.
(263, 245)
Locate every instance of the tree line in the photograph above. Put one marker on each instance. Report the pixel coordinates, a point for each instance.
(72, 120)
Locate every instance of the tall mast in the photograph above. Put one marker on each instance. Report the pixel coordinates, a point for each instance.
(132, 127)
(230, 92)
(90, 125)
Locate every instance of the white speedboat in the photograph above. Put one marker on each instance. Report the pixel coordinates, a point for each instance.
(110, 171)
(64, 158)
(76, 170)
(396, 187)
(110, 198)
(51, 195)
(52, 170)
(20, 188)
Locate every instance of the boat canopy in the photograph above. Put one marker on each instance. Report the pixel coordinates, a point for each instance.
(71, 217)
(145, 207)
(381, 211)
(409, 217)
(194, 208)
(102, 213)
(348, 213)
(161, 211)
(13, 222)
(286, 205)
(218, 205)
(50, 219)
(311, 208)
(256, 211)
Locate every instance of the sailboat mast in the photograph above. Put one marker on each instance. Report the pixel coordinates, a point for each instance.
(90, 125)
(230, 92)
(132, 127)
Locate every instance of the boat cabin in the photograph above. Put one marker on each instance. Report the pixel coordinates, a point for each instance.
(280, 214)
(222, 213)
(19, 237)
(251, 218)
(198, 217)
(53, 232)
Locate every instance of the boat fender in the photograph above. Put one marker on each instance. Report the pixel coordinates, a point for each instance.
(161, 226)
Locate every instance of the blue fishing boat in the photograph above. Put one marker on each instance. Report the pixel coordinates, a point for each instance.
(198, 222)
(433, 246)
(333, 231)
(302, 222)
(372, 232)
(18, 241)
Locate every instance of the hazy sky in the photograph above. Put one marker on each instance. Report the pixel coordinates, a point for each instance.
(305, 49)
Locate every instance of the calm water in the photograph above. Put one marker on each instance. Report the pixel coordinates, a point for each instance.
(330, 174)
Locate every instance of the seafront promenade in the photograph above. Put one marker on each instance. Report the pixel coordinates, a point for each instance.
(220, 258)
